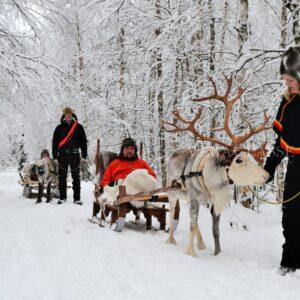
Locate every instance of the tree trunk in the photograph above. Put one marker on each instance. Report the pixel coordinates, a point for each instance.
(83, 96)
(121, 41)
(212, 33)
(151, 97)
(283, 25)
(197, 41)
(242, 25)
(122, 65)
(177, 95)
(224, 28)
(294, 7)
(160, 103)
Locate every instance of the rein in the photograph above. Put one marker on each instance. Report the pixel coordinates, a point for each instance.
(274, 203)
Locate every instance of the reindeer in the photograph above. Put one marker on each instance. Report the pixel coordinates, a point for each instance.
(204, 176)
(45, 171)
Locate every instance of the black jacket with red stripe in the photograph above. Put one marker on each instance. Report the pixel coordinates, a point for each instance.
(77, 141)
(287, 127)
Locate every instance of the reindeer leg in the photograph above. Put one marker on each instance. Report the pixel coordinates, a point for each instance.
(176, 215)
(200, 242)
(194, 211)
(173, 225)
(137, 216)
(216, 231)
(49, 192)
(40, 192)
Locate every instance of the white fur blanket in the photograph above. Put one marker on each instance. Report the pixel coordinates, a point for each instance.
(136, 182)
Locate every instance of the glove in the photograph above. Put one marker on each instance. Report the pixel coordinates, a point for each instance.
(271, 172)
(271, 177)
(274, 160)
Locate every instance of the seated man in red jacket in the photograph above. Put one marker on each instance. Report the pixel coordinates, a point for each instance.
(124, 164)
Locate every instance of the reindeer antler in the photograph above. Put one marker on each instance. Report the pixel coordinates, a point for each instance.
(259, 154)
(191, 127)
(229, 102)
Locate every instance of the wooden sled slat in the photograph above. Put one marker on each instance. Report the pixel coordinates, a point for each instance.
(145, 196)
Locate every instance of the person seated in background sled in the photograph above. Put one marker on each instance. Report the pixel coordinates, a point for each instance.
(68, 139)
(124, 164)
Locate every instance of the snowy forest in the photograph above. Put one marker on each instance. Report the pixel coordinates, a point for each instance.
(125, 65)
(195, 84)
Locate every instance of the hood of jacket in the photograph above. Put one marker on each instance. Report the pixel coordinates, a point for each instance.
(62, 119)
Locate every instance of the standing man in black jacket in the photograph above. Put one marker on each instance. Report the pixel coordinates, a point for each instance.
(287, 128)
(68, 139)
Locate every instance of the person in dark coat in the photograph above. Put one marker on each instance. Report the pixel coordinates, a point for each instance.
(68, 140)
(287, 128)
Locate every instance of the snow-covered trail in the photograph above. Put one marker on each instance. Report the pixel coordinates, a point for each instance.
(51, 252)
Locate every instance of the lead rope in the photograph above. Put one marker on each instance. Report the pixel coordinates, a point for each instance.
(271, 202)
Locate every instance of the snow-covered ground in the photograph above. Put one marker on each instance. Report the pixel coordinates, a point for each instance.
(51, 252)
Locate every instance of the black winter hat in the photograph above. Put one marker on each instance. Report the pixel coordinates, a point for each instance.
(290, 63)
(128, 142)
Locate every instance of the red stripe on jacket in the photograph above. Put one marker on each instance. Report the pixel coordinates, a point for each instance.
(69, 135)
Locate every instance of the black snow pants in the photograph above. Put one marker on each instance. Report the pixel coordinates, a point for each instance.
(291, 215)
(72, 160)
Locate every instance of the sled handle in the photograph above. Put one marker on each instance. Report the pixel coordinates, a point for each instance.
(97, 157)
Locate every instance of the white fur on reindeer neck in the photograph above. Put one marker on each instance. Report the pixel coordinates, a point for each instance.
(136, 182)
(213, 179)
(217, 182)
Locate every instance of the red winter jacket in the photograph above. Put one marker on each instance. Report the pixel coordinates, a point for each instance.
(120, 168)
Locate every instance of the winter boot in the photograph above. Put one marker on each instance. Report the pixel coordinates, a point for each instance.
(284, 270)
(78, 202)
(61, 201)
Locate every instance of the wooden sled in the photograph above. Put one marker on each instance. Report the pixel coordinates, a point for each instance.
(122, 207)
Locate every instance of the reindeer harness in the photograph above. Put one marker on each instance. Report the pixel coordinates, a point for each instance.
(197, 170)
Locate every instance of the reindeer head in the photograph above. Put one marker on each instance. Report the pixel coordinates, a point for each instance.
(239, 160)
(244, 171)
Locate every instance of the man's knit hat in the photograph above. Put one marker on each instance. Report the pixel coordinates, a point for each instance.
(290, 64)
(68, 110)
